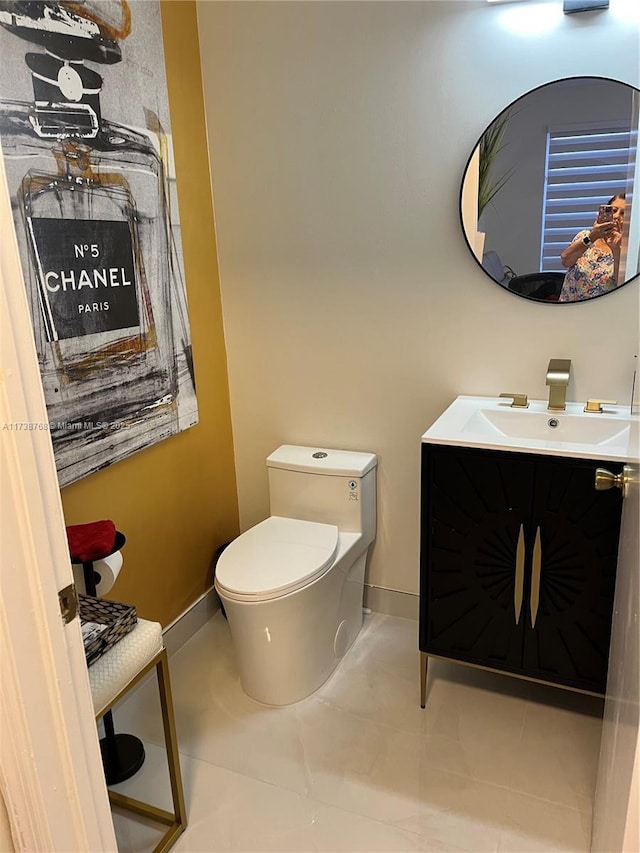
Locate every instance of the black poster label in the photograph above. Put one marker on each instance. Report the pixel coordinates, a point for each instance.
(87, 276)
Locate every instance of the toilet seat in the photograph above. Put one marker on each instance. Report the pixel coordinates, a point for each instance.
(274, 558)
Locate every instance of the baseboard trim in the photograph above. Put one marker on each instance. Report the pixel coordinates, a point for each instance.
(190, 621)
(391, 601)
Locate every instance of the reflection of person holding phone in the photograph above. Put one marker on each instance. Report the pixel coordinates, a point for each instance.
(593, 257)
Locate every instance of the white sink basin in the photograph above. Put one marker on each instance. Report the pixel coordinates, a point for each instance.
(491, 422)
(547, 426)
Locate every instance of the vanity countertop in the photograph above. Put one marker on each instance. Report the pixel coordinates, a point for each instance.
(492, 423)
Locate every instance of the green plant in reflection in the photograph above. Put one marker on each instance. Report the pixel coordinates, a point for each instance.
(491, 143)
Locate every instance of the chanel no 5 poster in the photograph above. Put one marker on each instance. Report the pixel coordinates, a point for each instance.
(85, 136)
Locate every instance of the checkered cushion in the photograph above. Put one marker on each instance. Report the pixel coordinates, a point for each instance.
(117, 667)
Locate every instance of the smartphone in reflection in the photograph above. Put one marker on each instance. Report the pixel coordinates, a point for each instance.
(605, 213)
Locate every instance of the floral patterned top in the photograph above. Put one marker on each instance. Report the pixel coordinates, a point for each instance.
(591, 275)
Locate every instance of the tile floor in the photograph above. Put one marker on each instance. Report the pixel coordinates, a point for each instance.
(492, 764)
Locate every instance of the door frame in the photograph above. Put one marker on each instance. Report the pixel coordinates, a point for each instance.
(51, 777)
(616, 808)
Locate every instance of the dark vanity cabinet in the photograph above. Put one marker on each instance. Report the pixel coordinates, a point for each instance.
(518, 563)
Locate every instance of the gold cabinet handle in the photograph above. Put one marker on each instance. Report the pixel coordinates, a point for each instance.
(519, 579)
(596, 405)
(536, 570)
(519, 400)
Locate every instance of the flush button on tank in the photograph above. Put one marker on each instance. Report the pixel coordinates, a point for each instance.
(319, 454)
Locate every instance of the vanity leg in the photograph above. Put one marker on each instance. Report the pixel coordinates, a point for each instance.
(424, 660)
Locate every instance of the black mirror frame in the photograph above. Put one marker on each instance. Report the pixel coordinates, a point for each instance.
(464, 175)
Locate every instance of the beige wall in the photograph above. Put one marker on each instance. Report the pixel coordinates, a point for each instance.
(176, 501)
(354, 312)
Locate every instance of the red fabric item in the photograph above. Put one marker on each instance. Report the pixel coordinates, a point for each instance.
(91, 541)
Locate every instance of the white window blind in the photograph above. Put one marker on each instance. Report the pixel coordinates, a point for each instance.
(583, 170)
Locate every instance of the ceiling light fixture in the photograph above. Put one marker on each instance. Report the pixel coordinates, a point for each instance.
(571, 6)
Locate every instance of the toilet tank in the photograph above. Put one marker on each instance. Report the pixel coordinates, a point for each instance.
(331, 486)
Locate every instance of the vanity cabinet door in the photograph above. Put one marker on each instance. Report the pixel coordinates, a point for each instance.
(475, 520)
(573, 570)
(518, 563)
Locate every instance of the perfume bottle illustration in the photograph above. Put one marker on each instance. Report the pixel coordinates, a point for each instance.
(90, 209)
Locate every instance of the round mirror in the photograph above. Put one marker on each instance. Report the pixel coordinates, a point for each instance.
(546, 200)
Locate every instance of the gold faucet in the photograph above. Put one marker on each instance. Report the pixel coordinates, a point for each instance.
(558, 380)
(519, 400)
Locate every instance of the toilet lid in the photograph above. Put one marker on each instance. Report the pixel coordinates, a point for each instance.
(276, 557)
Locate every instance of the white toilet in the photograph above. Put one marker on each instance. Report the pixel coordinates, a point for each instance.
(292, 586)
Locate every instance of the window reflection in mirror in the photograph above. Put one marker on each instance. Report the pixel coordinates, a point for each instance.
(534, 185)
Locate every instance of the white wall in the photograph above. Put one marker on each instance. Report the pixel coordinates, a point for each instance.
(354, 313)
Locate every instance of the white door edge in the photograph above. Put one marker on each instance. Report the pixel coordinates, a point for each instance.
(616, 807)
(51, 776)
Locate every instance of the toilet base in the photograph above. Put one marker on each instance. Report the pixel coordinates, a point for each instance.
(286, 648)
